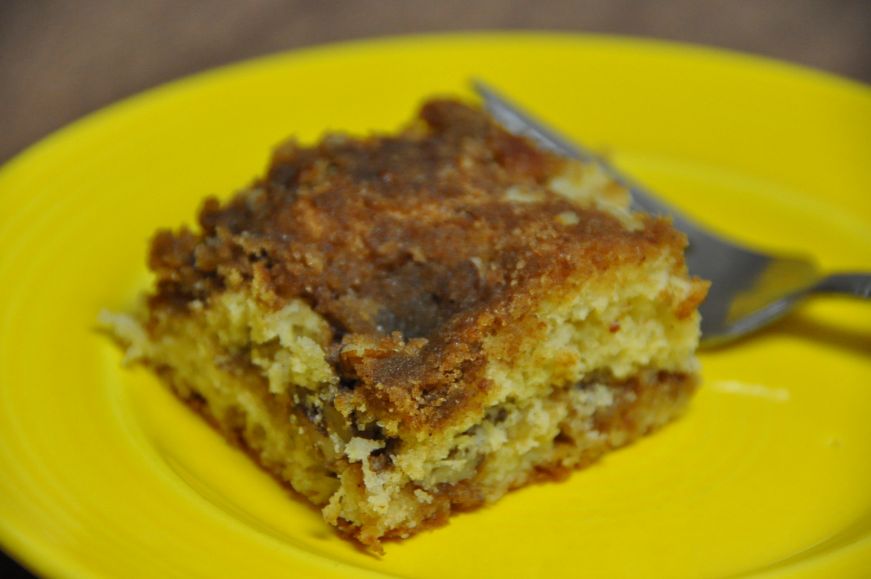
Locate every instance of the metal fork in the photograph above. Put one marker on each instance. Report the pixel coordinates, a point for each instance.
(749, 289)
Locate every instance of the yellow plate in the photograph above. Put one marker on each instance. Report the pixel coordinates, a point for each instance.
(104, 474)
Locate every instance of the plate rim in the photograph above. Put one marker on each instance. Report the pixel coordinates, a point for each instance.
(179, 83)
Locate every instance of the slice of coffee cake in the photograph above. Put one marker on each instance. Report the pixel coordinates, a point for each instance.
(404, 326)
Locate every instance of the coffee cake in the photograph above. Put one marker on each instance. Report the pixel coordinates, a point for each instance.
(400, 327)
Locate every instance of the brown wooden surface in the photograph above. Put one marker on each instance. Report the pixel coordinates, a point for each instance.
(62, 59)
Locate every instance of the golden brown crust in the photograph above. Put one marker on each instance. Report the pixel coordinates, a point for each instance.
(409, 247)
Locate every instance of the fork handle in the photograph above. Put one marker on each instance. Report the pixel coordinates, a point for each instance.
(855, 284)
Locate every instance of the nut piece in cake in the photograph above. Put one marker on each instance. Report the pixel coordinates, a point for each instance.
(401, 327)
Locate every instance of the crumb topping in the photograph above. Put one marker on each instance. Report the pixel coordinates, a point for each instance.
(413, 247)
